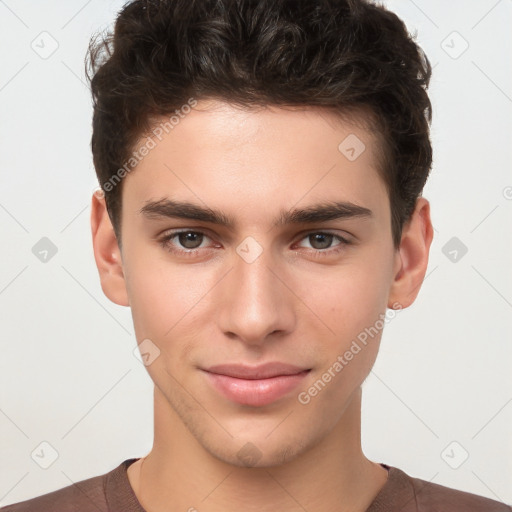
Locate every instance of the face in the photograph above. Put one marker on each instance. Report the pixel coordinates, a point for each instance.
(255, 252)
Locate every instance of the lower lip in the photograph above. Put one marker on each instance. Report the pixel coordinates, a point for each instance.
(255, 392)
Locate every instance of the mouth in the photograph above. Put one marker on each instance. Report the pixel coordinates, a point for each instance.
(255, 385)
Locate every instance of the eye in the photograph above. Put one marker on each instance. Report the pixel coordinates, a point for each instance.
(321, 241)
(190, 239)
(187, 241)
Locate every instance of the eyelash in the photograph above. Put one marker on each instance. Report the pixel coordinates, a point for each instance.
(165, 243)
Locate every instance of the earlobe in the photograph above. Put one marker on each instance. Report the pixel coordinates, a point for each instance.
(412, 256)
(107, 253)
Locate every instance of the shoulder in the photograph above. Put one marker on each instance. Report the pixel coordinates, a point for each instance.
(417, 495)
(85, 496)
(431, 496)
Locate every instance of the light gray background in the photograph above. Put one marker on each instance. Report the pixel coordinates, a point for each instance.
(68, 375)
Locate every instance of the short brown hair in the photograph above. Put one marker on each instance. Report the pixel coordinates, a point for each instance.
(339, 54)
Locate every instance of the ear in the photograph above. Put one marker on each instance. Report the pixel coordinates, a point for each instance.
(412, 256)
(107, 252)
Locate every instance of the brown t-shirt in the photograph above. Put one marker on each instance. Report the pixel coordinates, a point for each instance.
(112, 492)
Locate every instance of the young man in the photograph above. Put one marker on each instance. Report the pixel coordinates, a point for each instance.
(261, 165)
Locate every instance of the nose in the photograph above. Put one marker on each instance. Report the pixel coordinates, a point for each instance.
(254, 301)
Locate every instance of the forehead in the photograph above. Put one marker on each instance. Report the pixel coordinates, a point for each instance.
(271, 126)
(223, 155)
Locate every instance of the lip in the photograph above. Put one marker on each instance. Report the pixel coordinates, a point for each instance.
(255, 385)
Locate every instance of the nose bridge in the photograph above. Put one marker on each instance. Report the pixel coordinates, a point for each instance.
(255, 280)
(256, 303)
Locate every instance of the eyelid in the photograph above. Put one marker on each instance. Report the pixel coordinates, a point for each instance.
(344, 236)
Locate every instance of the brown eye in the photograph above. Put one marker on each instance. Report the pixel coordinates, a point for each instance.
(320, 240)
(185, 242)
(190, 239)
(322, 244)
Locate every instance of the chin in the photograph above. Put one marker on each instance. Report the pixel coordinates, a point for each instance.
(257, 452)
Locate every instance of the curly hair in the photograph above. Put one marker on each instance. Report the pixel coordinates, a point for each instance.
(343, 55)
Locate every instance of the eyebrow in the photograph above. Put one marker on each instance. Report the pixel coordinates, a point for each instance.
(323, 212)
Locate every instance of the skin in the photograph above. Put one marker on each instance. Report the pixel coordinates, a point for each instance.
(287, 305)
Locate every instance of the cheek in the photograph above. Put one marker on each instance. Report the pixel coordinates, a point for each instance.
(348, 300)
(352, 306)
(161, 295)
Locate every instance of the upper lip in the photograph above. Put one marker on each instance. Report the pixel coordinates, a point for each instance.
(264, 371)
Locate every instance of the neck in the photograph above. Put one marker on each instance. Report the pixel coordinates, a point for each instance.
(179, 474)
